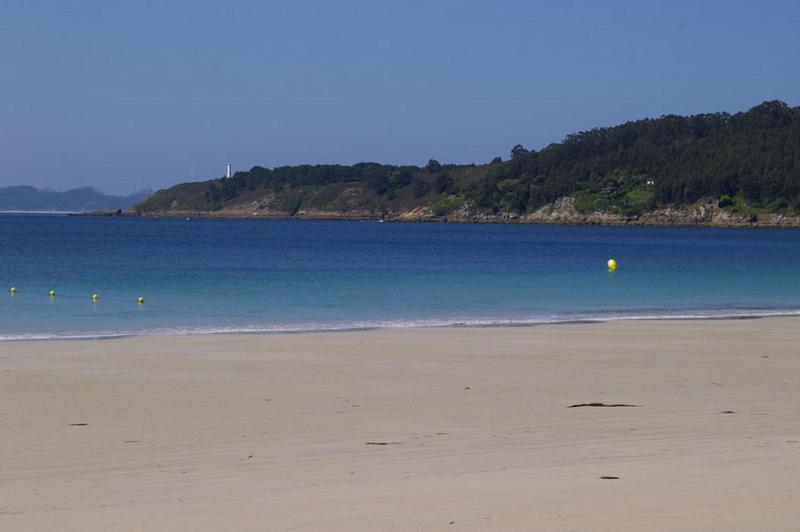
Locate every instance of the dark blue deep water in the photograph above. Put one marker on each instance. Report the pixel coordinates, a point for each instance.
(205, 275)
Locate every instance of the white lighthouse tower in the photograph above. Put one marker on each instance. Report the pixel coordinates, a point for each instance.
(228, 171)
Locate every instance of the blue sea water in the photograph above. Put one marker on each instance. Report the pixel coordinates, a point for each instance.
(217, 275)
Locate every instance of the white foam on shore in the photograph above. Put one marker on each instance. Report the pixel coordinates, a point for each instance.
(404, 324)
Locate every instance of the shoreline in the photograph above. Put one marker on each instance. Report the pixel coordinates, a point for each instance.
(354, 328)
(408, 429)
(663, 218)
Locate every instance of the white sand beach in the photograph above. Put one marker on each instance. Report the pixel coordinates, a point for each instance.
(413, 429)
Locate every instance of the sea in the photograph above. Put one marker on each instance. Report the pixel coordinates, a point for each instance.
(213, 276)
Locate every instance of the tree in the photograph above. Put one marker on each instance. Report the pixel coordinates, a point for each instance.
(518, 152)
(433, 166)
(442, 183)
(400, 178)
(420, 187)
(379, 183)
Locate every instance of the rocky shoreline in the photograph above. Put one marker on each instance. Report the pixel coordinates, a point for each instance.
(562, 211)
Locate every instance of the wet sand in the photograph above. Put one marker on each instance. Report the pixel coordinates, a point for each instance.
(415, 429)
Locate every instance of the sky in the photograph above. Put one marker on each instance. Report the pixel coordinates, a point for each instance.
(127, 95)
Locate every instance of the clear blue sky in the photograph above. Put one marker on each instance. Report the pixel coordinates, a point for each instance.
(124, 95)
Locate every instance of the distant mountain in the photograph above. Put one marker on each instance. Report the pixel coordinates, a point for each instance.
(25, 198)
(740, 166)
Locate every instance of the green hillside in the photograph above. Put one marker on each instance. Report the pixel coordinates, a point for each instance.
(748, 161)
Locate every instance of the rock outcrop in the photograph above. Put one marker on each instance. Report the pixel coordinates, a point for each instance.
(562, 211)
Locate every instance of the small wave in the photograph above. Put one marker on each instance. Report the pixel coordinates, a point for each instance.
(405, 324)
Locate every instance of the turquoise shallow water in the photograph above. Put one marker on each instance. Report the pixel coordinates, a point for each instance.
(203, 276)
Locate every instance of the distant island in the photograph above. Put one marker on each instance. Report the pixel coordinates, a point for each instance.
(712, 169)
(25, 198)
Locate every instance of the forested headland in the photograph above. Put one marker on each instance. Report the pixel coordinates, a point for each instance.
(745, 165)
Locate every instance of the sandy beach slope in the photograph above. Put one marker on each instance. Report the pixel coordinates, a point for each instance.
(416, 429)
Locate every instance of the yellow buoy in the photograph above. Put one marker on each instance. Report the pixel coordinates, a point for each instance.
(612, 265)
(52, 293)
(140, 300)
(13, 290)
(95, 297)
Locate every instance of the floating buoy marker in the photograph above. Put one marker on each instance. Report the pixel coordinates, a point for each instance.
(612, 265)
(52, 293)
(95, 297)
(13, 290)
(140, 300)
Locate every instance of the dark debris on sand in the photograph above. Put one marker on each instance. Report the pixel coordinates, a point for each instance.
(603, 405)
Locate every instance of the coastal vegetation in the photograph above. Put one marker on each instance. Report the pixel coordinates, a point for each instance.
(745, 163)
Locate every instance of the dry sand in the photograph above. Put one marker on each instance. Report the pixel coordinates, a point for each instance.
(416, 429)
